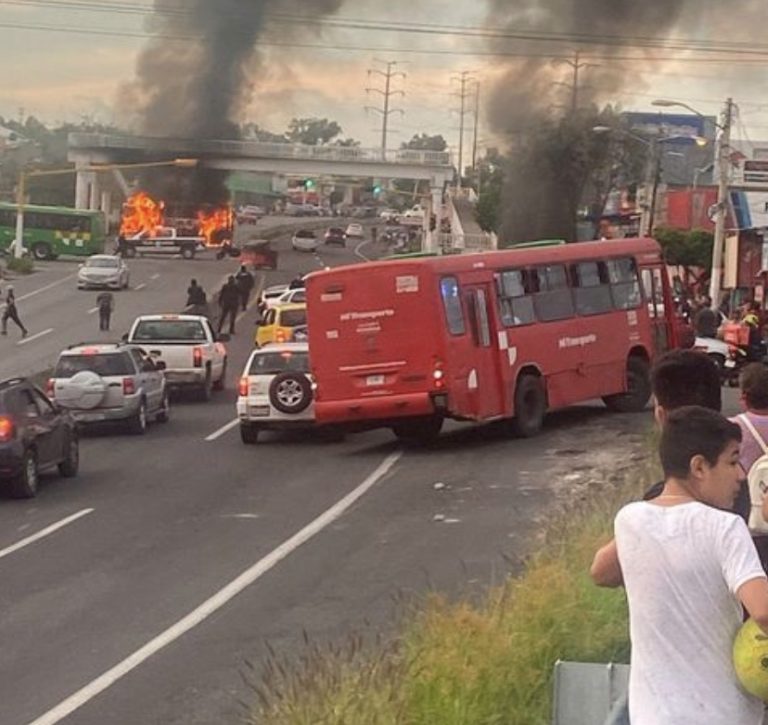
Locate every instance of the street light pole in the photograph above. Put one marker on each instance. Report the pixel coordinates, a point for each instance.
(18, 243)
(723, 169)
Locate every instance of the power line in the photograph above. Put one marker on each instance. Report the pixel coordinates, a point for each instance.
(669, 43)
(388, 75)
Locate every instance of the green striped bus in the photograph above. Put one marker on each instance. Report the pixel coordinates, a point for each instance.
(50, 231)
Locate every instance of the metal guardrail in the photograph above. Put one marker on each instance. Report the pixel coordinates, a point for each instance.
(258, 149)
(467, 242)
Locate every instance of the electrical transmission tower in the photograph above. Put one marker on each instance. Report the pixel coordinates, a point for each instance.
(465, 91)
(388, 74)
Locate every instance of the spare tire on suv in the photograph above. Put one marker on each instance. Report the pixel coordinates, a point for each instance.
(290, 392)
(84, 390)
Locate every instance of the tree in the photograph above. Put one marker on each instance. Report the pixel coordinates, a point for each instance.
(490, 182)
(253, 131)
(691, 250)
(312, 131)
(425, 142)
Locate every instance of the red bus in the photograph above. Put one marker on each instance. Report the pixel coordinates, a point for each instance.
(503, 335)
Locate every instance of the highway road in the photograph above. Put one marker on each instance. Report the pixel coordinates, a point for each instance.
(137, 592)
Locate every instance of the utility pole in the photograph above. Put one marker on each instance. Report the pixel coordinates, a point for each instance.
(722, 164)
(463, 79)
(576, 65)
(477, 126)
(386, 111)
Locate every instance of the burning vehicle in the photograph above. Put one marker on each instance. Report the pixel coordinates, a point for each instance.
(149, 225)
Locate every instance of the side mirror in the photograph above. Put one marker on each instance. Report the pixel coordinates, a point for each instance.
(223, 338)
(160, 365)
(124, 337)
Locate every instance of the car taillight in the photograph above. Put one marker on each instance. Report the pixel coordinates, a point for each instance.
(7, 429)
(244, 387)
(129, 387)
(197, 357)
(280, 336)
(50, 388)
(438, 375)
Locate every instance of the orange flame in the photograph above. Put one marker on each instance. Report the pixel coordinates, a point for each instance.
(215, 225)
(141, 215)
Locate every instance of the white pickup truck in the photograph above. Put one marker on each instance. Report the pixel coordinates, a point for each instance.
(193, 354)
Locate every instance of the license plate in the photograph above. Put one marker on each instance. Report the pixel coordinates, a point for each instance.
(372, 380)
(260, 411)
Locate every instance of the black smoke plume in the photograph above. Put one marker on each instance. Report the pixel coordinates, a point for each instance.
(194, 79)
(546, 121)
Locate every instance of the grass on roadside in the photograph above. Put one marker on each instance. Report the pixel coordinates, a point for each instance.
(465, 663)
(20, 265)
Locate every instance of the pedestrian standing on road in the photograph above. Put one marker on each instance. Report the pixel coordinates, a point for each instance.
(106, 304)
(229, 303)
(196, 296)
(245, 284)
(11, 312)
(297, 282)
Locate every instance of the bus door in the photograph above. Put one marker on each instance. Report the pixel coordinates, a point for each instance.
(659, 307)
(483, 382)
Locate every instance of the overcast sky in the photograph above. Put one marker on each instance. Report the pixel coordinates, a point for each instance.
(62, 75)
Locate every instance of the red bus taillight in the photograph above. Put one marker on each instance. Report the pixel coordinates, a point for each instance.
(129, 387)
(50, 388)
(244, 388)
(197, 357)
(438, 375)
(7, 429)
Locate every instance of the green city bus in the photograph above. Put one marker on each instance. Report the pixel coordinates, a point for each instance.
(50, 231)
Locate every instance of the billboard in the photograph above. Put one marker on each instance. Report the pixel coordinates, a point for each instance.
(671, 124)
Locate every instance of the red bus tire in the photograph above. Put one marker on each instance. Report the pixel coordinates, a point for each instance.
(530, 406)
(638, 388)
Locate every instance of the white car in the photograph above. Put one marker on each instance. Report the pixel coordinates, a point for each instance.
(103, 271)
(305, 240)
(355, 230)
(289, 297)
(389, 215)
(717, 351)
(270, 295)
(275, 390)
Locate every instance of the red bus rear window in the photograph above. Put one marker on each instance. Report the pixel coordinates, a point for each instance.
(454, 314)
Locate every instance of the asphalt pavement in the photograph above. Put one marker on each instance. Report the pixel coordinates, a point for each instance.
(138, 591)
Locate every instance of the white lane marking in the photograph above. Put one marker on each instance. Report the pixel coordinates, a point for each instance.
(93, 310)
(155, 276)
(359, 253)
(35, 337)
(223, 430)
(217, 601)
(140, 286)
(47, 531)
(41, 290)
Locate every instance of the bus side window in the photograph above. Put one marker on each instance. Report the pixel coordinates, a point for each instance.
(592, 291)
(454, 314)
(554, 300)
(515, 297)
(625, 286)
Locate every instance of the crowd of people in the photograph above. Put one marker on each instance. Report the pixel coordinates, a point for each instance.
(693, 554)
(742, 326)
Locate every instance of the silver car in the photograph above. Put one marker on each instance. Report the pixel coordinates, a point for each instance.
(111, 382)
(103, 271)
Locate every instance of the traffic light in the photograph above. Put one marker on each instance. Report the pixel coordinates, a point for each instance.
(377, 189)
(309, 184)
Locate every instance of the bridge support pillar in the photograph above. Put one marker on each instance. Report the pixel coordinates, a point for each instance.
(83, 189)
(432, 237)
(94, 200)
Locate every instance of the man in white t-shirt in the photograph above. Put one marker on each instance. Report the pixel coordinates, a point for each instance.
(688, 565)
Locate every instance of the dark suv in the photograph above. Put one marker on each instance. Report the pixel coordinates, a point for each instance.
(35, 435)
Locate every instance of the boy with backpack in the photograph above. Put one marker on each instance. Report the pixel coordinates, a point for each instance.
(754, 451)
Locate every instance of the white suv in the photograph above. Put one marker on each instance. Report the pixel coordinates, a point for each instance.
(275, 390)
(110, 383)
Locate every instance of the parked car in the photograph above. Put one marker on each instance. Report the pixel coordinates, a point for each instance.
(335, 235)
(389, 215)
(275, 391)
(250, 214)
(111, 383)
(305, 240)
(103, 271)
(35, 435)
(278, 323)
(296, 295)
(354, 230)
